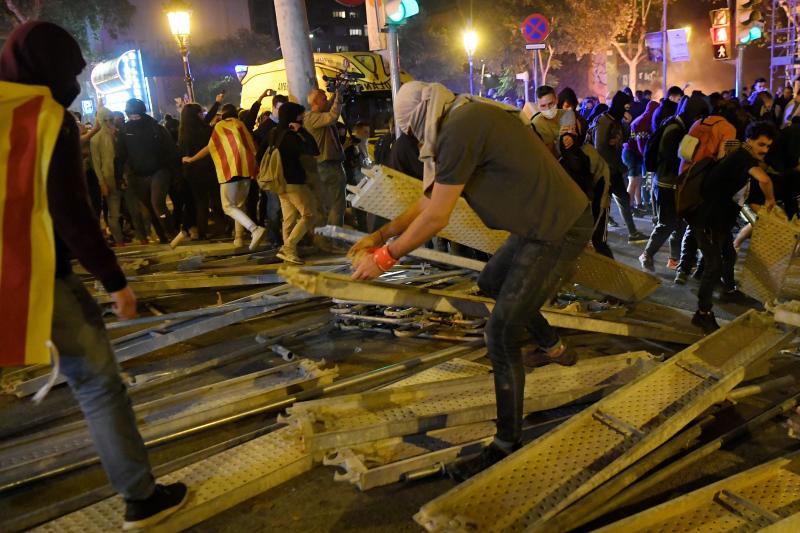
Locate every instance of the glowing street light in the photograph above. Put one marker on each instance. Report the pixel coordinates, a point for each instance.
(470, 44)
(179, 15)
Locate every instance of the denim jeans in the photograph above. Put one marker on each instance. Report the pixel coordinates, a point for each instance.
(522, 276)
(152, 192)
(87, 361)
(670, 225)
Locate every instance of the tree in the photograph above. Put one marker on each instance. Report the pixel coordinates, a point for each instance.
(82, 18)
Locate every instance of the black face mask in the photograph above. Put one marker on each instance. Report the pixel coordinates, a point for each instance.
(67, 93)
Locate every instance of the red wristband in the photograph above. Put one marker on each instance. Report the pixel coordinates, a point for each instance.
(383, 258)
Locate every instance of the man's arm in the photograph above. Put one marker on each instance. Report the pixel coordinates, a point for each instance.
(765, 183)
(389, 230)
(326, 118)
(422, 221)
(199, 155)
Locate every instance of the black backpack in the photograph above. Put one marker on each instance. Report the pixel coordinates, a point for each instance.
(689, 194)
(653, 143)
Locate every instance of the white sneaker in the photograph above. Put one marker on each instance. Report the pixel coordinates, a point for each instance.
(238, 242)
(258, 236)
(177, 240)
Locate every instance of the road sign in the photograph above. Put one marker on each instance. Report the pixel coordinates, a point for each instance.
(678, 45)
(535, 28)
(721, 17)
(722, 52)
(538, 46)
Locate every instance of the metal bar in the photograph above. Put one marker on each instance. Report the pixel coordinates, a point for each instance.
(353, 236)
(563, 466)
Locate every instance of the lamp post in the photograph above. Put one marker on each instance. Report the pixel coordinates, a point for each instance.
(179, 15)
(470, 44)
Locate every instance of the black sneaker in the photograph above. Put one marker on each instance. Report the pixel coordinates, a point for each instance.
(698, 273)
(637, 236)
(463, 469)
(734, 296)
(681, 278)
(647, 262)
(705, 321)
(165, 500)
(613, 223)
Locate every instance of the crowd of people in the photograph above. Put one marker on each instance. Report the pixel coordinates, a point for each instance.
(649, 150)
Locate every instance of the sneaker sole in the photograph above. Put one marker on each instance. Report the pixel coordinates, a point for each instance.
(156, 518)
(255, 243)
(289, 260)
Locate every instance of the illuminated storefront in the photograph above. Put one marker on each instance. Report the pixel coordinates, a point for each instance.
(118, 80)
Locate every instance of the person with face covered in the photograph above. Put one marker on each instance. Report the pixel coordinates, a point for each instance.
(298, 151)
(147, 148)
(670, 225)
(44, 54)
(485, 153)
(611, 131)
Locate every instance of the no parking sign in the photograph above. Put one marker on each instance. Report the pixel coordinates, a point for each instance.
(535, 28)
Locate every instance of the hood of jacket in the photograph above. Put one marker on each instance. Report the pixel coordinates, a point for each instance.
(288, 113)
(43, 53)
(693, 108)
(618, 103)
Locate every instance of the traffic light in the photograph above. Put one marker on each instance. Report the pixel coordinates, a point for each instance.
(398, 11)
(750, 21)
(721, 33)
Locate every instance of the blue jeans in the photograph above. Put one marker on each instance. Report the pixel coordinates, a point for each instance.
(522, 276)
(87, 361)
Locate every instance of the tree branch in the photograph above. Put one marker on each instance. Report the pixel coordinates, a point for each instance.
(16, 12)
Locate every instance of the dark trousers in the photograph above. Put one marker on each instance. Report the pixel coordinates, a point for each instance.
(152, 193)
(522, 276)
(620, 192)
(688, 251)
(670, 225)
(200, 190)
(719, 258)
(600, 216)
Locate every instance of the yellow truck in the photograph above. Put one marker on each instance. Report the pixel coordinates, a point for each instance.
(373, 104)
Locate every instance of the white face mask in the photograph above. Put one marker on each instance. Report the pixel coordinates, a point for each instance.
(550, 114)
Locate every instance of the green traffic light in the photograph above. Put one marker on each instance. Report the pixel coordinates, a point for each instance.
(407, 8)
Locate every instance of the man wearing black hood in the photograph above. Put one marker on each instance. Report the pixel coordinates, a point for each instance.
(298, 151)
(610, 134)
(152, 156)
(41, 53)
(668, 107)
(670, 225)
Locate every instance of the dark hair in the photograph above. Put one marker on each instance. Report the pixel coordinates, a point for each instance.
(279, 99)
(647, 92)
(544, 90)
(361, 124)
(674, 91)
(755, 130)
(134, 106)
(568, 96)
(760, 80)
(193, 131)
(229, 111)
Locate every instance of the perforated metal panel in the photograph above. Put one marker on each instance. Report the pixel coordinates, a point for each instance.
(453, 369)
(767, 496)
(357, 418)
(388, 193)
(771, 255)
(530, 486)
(217, 483)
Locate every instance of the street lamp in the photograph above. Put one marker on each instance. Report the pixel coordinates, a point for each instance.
(470, 44)
(179, 15)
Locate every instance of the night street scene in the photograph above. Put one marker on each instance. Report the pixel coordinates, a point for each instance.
(447, 266)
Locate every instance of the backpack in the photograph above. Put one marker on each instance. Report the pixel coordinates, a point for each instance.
(591, 131)
(270, 171)
(689, 195)
(652, 145)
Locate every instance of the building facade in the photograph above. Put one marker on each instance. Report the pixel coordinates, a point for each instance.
(334, 27)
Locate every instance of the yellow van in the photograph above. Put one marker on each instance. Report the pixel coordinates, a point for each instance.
(373, 105)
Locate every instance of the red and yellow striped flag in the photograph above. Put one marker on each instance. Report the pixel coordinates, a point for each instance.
(233, 150)
(29, 124)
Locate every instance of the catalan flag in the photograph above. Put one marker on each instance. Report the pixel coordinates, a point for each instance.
(233, 151)
(30, 121)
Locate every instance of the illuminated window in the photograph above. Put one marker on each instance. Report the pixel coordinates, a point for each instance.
(339, 14)
(356, 32)
(342, 48)
(353, 15)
